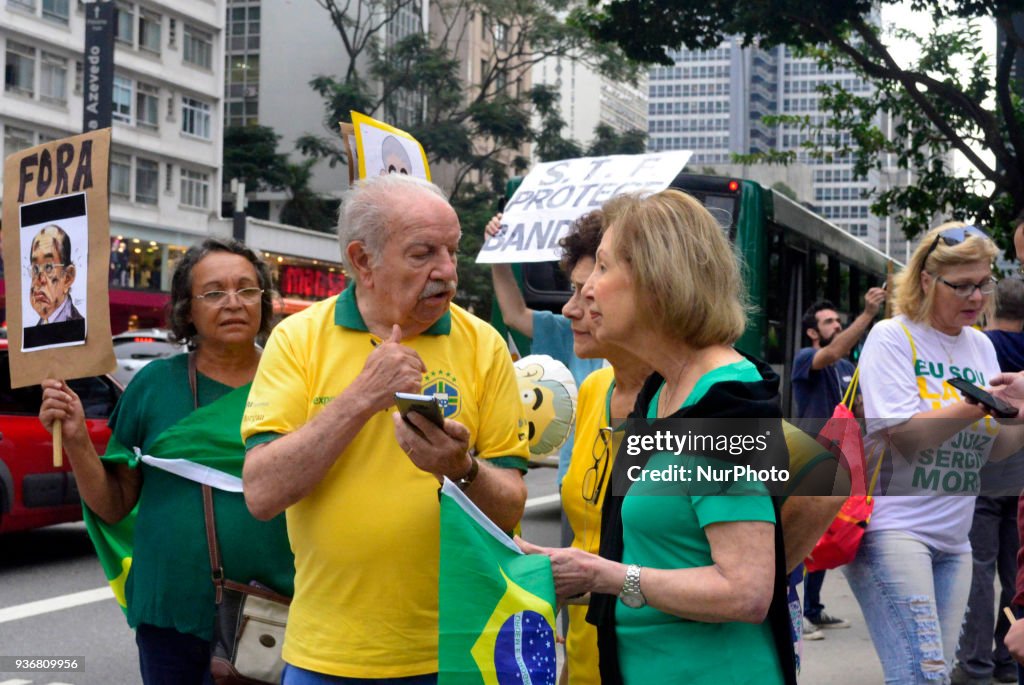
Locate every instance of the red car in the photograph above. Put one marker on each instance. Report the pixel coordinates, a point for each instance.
(32, 492)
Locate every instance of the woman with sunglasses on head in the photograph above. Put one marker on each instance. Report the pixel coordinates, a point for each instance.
(689, 587)
(185, 407)
(606, 397)
(912, 573)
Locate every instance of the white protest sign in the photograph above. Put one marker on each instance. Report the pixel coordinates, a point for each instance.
(555, 194)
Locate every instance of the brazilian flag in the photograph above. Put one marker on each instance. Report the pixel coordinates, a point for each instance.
(497, 605)
(206, 442)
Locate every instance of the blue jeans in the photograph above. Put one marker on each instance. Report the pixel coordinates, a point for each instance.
(293, 675)
(812, 595)
(167, 657)
(913, 599)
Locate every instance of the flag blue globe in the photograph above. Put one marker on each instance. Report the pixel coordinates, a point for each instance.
(524, 652)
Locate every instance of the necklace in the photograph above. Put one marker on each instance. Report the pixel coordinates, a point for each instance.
(948, 351)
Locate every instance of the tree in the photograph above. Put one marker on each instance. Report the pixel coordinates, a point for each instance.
(608, 141)
(416, 82)
(250, 155)
(935, 107)
(305, 208)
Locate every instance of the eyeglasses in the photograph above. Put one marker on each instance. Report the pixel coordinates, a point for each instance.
(47, 269)
(593, 479)
(965, 290)
(955, 236)
(219, 298)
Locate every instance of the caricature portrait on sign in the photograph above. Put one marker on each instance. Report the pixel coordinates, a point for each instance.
(382, 149)
(54, 246)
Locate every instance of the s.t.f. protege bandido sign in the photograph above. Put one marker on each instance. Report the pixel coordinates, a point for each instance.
(555, 194)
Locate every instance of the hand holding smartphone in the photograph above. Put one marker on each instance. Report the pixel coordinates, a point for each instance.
(995, 406)
(425, 405)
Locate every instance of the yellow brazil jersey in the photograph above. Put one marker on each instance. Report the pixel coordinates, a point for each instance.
(366, 539)
(590, 461)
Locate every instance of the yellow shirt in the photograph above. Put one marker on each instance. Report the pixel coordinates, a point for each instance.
(584, 516)
(366, 540)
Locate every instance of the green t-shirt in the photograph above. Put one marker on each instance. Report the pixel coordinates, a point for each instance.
(668, 532)
(169, 584)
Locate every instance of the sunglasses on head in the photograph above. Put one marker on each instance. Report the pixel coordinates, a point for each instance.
(955, 236)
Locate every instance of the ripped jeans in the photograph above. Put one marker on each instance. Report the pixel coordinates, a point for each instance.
(913, 598)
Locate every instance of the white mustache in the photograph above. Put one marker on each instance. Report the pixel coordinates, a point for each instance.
(437, 287)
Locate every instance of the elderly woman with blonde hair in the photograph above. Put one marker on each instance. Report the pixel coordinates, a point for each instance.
(687, 587)
(912, 573)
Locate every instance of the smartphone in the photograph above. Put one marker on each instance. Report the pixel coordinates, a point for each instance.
(426, 405)
(995, 405)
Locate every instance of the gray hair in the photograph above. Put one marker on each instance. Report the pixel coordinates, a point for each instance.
(1010, 299)
(366, 210)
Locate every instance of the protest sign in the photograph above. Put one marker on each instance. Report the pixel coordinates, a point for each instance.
(56, 243)
(383, 149)
(555, 194)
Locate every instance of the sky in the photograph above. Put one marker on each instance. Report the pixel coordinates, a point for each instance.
(901, 15)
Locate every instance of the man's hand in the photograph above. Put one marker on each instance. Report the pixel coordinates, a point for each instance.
(1014, 641)
(436, 451)
(873, 301)
(390, 368)
(1009, 387)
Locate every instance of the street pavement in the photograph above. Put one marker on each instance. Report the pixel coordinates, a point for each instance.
(846, 656)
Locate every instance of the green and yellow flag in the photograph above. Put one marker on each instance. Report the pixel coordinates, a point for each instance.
(497, 605)
(207, 440)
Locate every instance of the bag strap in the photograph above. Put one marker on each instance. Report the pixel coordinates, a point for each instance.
(910, 338)
(851, 389)
(210, 520)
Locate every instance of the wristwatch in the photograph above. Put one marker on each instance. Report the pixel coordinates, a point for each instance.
(466, 480)
(630, 594)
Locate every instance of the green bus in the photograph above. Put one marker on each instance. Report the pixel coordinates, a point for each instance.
(791, 258)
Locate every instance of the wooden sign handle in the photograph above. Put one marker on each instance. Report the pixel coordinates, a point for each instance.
(58, 447)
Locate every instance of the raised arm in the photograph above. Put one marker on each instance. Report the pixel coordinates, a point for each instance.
(845, 340)
(279, 473)
(513, 307)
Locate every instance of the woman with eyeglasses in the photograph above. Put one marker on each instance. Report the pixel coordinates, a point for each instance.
(147, 523)
(912, 573)
(689, 587)
(605, 398)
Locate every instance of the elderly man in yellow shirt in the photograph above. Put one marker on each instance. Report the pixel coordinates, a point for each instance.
(359, 483)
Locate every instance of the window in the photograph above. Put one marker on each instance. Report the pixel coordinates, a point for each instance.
(122, 110)
(169, 178)
(16, 140)
(195, 188)
(120, 175)
(126, 24)
(57, 10)
(147, 105)
(29, 5)
(195, 117)
(501, 36)
(53, 78)
(149, 31)
(147, 181)
(198, 47)
(79, 77)
(19, 69)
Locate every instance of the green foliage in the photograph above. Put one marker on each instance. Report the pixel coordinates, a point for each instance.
(608, 141)
(305, 208)
(935, 107)
(250, 155)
